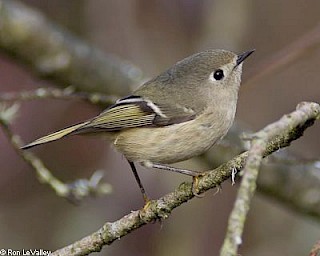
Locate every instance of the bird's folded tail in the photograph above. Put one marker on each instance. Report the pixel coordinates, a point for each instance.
(53, 136)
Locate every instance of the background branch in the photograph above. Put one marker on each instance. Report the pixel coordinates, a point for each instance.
(74, 191)
(68, 93)
(283, 58)
(57, 55)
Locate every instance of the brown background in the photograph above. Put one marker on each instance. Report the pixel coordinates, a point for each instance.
(154, 35)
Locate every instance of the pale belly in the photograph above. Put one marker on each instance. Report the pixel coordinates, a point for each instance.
(173, 143)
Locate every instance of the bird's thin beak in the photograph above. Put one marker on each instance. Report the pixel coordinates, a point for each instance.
(243, 56)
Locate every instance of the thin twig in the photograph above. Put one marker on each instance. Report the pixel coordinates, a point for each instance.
(257, 151)
(284, 57)
(161, 208)
(74, 191)
(62, 94)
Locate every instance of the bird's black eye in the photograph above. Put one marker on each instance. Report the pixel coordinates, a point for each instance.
(218, 74)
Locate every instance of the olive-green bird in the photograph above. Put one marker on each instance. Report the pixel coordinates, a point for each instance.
(177, 115)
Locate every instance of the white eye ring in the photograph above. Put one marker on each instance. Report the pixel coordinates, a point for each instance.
(217, 75)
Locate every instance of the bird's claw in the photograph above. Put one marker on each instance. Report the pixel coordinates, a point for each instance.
(195, 184)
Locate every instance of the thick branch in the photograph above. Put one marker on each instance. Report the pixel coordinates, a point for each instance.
(162, 207)
(57, 55)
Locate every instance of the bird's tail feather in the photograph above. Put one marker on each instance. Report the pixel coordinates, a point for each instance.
(53, 136)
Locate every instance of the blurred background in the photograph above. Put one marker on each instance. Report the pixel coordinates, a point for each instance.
(154, 35)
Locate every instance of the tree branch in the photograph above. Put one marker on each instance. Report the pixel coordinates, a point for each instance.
(259, 144)
(68, 93)
(315, 249)
(74, 191)
(293, 182)
(162, 207)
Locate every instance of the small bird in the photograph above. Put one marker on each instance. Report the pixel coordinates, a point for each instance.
(175, 116)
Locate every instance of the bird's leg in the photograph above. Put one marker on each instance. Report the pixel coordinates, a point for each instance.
(173, 169)
(194, 174)
(143, 192)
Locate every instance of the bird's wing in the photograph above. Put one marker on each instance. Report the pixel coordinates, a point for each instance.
(135, 111)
